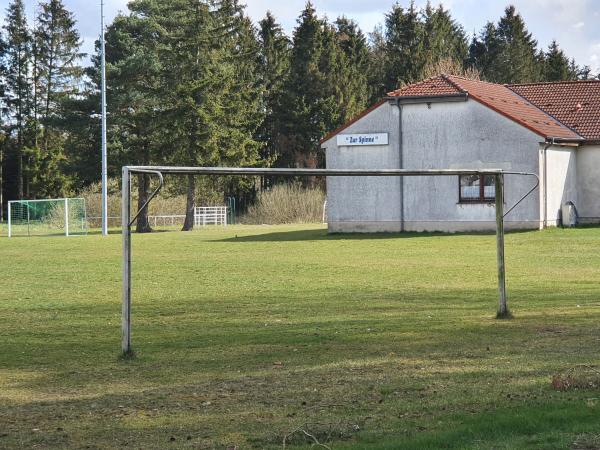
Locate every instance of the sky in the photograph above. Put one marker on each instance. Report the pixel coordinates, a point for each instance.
(575, 24)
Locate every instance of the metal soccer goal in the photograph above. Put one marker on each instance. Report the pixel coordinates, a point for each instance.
(159, 171)
(61, 217)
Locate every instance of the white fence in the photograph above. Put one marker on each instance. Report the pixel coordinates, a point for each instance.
(154, 221)
(166, 220)
(210, 215)
(203, 215)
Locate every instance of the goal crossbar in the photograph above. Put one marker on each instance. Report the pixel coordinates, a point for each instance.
(159, 171)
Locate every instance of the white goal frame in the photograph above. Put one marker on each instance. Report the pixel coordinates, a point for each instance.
(64, 201)
(159, 171)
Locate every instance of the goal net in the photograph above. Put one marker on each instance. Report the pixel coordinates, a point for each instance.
(64, 216)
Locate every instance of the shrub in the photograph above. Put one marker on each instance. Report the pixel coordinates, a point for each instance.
(170, 202)
(286, 203)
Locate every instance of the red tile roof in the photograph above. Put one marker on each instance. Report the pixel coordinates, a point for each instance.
(495, 96)
(435, 86)
(565, 110)
(502, 100)
(574, 103)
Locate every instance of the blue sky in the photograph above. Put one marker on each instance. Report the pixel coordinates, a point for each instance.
(575, 24)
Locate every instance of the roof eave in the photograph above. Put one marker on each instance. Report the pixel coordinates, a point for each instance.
(352, 121)
(440, 98)
(399, 99)
(563, 140)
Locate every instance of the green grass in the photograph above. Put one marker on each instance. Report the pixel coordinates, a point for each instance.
(243, 335)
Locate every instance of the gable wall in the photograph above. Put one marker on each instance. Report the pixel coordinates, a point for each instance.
(466, 135)
(358, 203)
(442, 135)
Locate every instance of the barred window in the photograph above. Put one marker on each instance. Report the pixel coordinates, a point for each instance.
(476, 188)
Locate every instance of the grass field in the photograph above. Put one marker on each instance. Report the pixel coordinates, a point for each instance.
(252, 337)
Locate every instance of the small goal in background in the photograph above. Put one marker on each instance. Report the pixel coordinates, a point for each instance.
(210, 215)
(60, 217)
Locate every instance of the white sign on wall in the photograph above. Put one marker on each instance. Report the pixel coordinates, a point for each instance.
(363, 139)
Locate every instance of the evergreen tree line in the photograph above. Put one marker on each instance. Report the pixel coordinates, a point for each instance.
(197, 83)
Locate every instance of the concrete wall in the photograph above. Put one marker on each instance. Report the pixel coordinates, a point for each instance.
(588, 183)
(561, 181)
(438, 135)
(365, 204)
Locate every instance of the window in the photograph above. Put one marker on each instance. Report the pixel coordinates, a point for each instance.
(476, 188)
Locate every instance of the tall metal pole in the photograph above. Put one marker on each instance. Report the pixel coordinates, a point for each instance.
(9, 221)
(126, 305)
(502, 305)
(104, 162)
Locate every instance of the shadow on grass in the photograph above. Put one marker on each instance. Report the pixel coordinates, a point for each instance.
(324, 235)
(118, 231)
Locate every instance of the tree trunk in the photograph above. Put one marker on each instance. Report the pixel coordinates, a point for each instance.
(142, 224)
(1, 182)
(20, 190)
(188, 225)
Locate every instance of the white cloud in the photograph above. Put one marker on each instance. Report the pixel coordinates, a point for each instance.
(594, 57)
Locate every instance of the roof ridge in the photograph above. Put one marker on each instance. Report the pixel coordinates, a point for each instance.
(449, 80)
(416, 83)
(472, 80)
(541, 83)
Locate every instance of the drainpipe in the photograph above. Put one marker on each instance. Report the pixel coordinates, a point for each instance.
(400, 163)
(545, 180)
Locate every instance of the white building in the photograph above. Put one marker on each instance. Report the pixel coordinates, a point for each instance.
(551, 129)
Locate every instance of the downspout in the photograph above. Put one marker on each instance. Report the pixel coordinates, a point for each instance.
(400, 163)
(545, 181)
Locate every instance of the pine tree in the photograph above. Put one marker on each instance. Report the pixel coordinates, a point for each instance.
(241, 98)
(211, 99)
(443, 38)
(135, 93)
(404, 46)
(303, 92)
(484, 52)
(513, 56)
(273, 68)
(377, 65)
(519, 56)
(3, 73)
(57, 77)
(57, 56)
(557, 66)
(337, 103)
(353, 83)
(2, 113)
(18, 83)
(312, 104)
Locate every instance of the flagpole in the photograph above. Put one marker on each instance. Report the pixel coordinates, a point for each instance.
(104, 161)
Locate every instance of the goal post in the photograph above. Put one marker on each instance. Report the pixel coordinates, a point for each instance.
(159, 171)
(48, 217)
